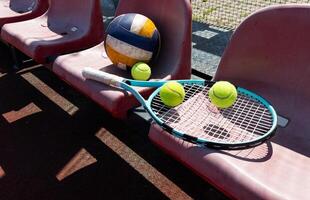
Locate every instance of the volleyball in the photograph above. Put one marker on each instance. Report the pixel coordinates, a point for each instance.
(131, 38)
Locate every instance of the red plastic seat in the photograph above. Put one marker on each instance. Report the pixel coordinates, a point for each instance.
(66, 27)
(21, 10)
(269, 54)
(173, 62)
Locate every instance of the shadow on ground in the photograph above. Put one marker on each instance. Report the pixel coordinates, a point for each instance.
(38, 138)
(208, 44)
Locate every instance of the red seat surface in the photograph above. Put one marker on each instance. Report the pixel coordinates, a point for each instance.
(66, 27)
(268, 53)
(173, 61)
(21, 10)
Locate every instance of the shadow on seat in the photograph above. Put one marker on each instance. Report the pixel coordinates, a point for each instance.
(21, 10)
(173, 62)
(66, 27)
(269, 54)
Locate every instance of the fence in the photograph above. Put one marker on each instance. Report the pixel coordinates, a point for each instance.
(229, 13)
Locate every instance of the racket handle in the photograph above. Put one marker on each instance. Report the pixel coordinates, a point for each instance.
(100, 76)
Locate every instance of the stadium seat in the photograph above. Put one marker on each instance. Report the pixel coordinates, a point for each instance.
(173, 62)
(66, 27)
(269, 54)
(21, 10)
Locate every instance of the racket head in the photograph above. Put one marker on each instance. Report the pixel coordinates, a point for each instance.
(248, 123)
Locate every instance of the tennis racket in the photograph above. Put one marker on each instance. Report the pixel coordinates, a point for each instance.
(249, 122)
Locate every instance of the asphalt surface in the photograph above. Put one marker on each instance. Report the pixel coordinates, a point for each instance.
(208, 44)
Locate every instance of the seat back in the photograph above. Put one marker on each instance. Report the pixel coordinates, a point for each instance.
(173, 19)
(271, 46)
(269, 53)
(83, 16)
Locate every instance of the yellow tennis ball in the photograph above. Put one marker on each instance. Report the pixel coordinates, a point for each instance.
(172, 93)
(223, 94)
(141, 71)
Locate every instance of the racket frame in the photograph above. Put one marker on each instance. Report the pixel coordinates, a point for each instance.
(128, 85)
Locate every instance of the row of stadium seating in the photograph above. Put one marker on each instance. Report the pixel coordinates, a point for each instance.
(69, 36)
(268, 53)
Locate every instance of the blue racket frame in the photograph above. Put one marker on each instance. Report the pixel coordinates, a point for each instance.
(126, 84)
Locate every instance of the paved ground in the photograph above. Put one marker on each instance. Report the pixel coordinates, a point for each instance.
(208, 46)
(57, 144)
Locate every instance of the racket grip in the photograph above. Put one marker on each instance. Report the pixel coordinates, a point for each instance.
(100, 76)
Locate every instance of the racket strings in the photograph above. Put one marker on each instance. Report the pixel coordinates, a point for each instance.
(192, 109)
(169, 114)
(238, 121)
(244, 124)
(245, 121)
(258, 112)
(227, 128)
(259, 117)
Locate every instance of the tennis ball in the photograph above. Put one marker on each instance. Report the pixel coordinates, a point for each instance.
(141, 71)
(172, 93)
(223, 94)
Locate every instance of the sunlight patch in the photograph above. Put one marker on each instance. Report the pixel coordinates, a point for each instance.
(160, 181)
(2, 173)
(59, 100)
(79, 161)
(26, 111)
